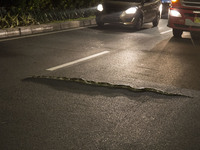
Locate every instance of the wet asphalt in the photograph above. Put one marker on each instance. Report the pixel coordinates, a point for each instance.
(47, 113)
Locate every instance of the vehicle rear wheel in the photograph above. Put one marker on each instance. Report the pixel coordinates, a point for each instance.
(156, 20)
(138, 24)
(177, 33)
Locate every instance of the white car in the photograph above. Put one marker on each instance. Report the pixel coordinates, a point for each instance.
(129, 12)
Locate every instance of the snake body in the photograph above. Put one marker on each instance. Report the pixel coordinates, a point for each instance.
(108, 85)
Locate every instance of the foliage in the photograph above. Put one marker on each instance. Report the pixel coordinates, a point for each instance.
(48, 4)
(26, 12)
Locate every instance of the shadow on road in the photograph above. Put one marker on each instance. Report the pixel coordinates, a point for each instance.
(117, 28)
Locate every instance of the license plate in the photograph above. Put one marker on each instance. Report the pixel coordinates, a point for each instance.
(197, 20)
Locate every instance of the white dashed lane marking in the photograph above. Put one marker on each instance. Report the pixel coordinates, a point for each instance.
(77, 61)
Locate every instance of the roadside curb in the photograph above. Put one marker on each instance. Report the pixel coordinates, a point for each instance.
(33, 29)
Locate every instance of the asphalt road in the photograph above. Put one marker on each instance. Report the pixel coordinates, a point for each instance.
(87, 109)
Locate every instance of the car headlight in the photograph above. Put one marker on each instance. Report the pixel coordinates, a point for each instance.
(131, 10)
(100, 7)
(175, 13)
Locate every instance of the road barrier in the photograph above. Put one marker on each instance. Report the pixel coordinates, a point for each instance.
(33, 29)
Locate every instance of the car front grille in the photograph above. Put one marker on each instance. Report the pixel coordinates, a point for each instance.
(192, 15)
(191, 3)
(114, 17)
(186, 27)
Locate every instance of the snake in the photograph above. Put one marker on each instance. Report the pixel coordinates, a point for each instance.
(108, 85)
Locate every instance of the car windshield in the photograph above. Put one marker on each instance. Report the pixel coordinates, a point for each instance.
(166, 1)
(137, 1)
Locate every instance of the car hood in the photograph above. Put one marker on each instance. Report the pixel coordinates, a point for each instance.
(111, 6)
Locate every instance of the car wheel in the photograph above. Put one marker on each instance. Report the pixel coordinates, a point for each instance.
(138, 24)
(156, 20)
(177, 33)
(99, 22)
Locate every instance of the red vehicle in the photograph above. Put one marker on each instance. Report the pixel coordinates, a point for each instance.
(184, 15)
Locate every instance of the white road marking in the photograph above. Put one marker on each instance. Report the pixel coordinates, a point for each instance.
(166, 32)
(46, 33)
(77, 61)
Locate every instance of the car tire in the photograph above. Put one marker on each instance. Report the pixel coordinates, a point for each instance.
(99, 22)
(156, 20)
(177, 33)
(138, 24)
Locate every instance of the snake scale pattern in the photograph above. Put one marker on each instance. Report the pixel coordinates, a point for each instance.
(108, 85)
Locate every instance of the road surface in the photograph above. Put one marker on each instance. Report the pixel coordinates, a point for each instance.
(100, 88)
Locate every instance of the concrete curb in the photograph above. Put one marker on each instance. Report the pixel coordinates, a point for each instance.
(20, 31)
